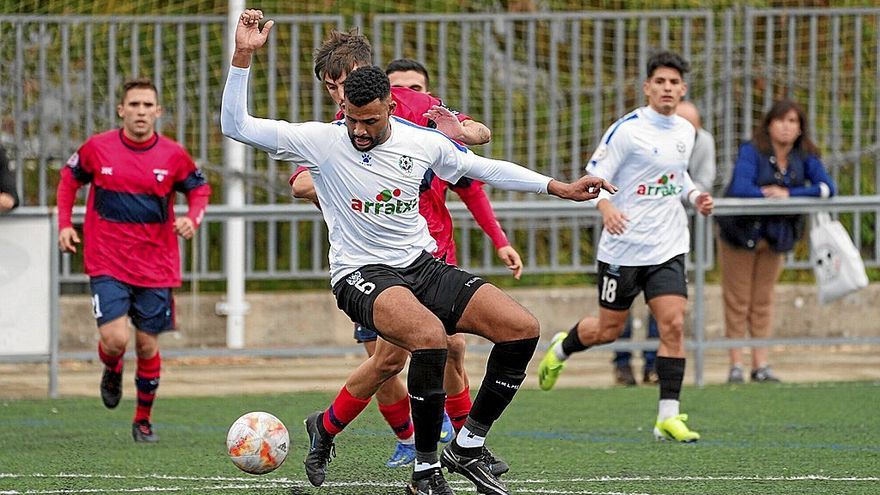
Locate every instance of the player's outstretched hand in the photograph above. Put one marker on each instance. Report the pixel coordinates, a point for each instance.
(184, 227)
(67, 240)
(583, 189)
(248, 36)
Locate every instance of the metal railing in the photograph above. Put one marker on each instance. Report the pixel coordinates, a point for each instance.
(559, 210)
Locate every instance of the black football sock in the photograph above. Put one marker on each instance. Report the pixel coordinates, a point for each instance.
(505, 372)
(425, 385)
(670, 371)
(572, 343)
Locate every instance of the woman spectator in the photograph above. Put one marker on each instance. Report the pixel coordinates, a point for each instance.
(780, 161)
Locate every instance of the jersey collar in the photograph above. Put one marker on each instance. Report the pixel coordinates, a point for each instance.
(135, 146)
(658, 119)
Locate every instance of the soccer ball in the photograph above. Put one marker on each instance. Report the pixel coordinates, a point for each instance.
(257, 442)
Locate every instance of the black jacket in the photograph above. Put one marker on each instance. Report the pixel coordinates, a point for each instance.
(7, 178)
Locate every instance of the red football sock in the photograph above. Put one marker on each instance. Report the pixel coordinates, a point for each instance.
(458, 407)
(146, 380)
(112, 362)
(397, 416)
(344, 409)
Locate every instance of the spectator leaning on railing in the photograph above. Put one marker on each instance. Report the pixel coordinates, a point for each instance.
(780, 161)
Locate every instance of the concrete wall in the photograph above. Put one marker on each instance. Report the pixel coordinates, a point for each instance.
(311, 318)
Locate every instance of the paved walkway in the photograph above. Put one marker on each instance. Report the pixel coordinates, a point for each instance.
(213, 376)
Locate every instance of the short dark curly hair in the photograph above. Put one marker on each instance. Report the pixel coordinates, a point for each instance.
(669, 59)
(366, 84)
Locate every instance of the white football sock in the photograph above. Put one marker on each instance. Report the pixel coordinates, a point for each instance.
(467, 439)
(560, 354)
(667, 409)
(424, 466)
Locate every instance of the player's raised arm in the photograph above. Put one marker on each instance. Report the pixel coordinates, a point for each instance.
(235, 121)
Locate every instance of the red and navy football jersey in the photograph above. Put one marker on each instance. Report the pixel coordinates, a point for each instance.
(129, 224)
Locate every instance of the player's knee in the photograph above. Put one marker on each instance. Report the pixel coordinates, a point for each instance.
(388, 369)
(114, 345)
(673, 328)
(456, 347)
(527, 327)
(431, 341)
(390, 364)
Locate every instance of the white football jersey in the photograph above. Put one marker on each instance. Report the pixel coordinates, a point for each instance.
(645, 154)
(370, 200)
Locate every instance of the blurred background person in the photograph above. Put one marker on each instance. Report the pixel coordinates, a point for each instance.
(702, 169)
(8, 192)
(780, 161)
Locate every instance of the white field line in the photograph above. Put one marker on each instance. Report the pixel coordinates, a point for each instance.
(596, 479)
(257, 487)
(251, 484)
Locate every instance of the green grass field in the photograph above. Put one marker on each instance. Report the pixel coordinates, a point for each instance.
(757, 439)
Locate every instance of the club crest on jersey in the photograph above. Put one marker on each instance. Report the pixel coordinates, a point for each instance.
(406, 164)
(366, 158)
(680, 147)
(160, 174)
(73, 161)
(354, 278)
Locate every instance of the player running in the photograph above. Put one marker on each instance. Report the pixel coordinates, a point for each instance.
(131, 251)
(645, 236)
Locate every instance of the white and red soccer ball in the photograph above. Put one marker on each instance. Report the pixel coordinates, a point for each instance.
(257, 442)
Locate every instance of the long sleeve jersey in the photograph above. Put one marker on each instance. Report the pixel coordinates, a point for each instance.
(646, 155)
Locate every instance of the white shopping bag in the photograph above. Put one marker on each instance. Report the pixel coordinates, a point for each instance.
(837, 263)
